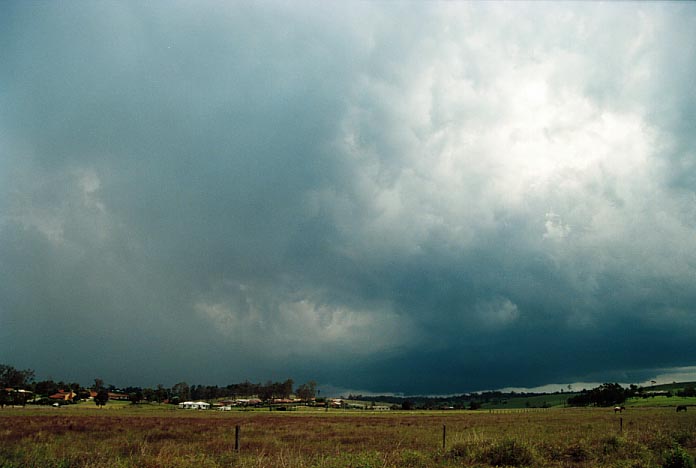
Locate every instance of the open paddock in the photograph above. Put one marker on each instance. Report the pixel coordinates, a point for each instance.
(152, 437)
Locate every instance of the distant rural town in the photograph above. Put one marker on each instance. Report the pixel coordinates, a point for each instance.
(18, 387)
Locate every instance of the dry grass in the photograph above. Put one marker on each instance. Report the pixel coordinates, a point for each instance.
(579, 438)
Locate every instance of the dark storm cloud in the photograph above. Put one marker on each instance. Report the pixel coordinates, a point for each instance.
(379, 197)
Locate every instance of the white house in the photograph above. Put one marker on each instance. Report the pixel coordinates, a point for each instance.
(201, 405)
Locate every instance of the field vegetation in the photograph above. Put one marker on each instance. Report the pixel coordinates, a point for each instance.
(154, 435)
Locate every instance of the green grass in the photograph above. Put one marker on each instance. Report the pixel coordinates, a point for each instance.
(549, 400)
(661, 401)
(672, 387)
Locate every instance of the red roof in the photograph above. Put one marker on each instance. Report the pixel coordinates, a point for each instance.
(63, 395)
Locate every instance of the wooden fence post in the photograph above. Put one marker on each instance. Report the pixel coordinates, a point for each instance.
(236, 438)
(444, 436)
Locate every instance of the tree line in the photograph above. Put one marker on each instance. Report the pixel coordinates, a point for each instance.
(610, 394)
(607, 394)
(15, 382)
(470, 401)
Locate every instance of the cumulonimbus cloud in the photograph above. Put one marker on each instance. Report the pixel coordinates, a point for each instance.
(245, 191)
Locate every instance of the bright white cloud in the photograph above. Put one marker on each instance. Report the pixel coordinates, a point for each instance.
(497, 312)
(302, 327)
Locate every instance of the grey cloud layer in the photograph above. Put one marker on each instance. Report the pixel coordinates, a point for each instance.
(480, 195)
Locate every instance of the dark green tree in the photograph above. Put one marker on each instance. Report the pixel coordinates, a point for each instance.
(161, 393)
(135, 397)
(266, 392)
(15, 378)
(148, 394)
(607, 394)
(307, 391)
(102, 397)
(182, 391)
(98, 384)
(46, 387)
(286, 388)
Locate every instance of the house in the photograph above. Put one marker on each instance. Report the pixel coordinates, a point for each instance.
(112, 396)
(199, 405)
(282, 401)
(380, 408)
(335, 402)
(245, 402)
(63, 395)
(17, 396)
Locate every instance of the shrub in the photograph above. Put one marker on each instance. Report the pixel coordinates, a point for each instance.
(363, 460)
(678, 458)
(509, 452)
(613, 443)
(413, 459)
(552, 451)
(459, 450)
(577, 452)
(659, 441)
(684, 438)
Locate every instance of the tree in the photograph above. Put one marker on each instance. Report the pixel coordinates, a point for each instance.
(307, 391)
(607, 394)
(286, 388)
(98, 384)
(46, 387)
(135, 397)
(102, 397)
(148, 394)
(266, 392)
(161, 393)
(182, 391)
(15, 378)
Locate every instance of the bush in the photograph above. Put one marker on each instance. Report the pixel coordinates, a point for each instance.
(678, 458)
(459, 450)
(577, 452)
(684, 438)
(413, 459)
(613, 443)
(509, 452)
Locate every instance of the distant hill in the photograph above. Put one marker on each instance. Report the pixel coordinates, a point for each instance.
(671, 387)
(479, 400)
(510, 400)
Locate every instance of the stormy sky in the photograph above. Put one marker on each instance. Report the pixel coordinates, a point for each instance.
(414, 197)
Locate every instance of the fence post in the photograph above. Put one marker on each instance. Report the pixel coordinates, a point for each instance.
(236, 438)
(621, 425)
(444, 436)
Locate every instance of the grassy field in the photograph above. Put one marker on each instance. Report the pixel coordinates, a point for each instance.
(538, 401)
(159, 436)
(661, 401)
